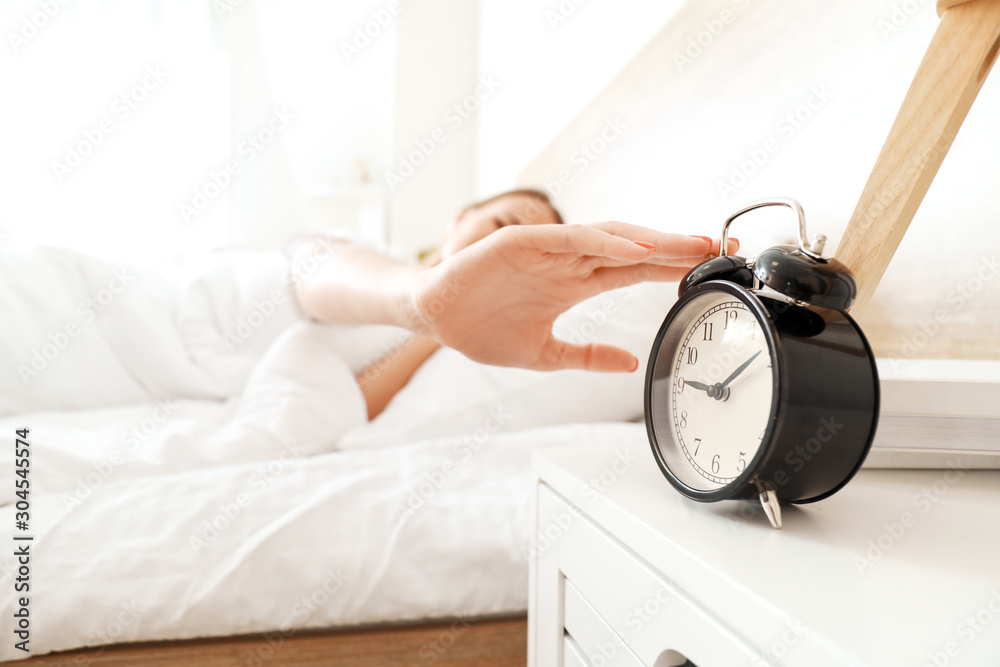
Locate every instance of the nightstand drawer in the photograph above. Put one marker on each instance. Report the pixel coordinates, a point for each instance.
(654, 620)
(594, 637)
(573, 654)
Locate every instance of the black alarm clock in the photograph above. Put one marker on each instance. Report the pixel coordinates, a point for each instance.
(759, 383)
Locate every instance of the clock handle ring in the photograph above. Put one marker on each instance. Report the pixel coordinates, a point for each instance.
(813, 251)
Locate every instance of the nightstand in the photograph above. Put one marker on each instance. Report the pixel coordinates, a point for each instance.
(901, 567)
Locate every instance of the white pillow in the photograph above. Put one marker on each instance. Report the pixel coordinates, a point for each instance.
(451, 396)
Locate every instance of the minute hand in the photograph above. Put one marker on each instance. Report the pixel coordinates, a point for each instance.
(736, 373)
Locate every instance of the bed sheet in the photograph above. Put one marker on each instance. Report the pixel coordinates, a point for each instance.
(433, 529)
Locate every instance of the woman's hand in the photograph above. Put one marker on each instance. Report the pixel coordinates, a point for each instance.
(496, 300)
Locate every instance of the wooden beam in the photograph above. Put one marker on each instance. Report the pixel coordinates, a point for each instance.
(954, 67)
(944, 5)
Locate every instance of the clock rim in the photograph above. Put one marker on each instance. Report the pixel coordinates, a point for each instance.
(738, 487)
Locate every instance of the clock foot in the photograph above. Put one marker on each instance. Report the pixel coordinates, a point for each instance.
(769, 500)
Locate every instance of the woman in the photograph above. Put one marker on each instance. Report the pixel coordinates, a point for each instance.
(507, 269)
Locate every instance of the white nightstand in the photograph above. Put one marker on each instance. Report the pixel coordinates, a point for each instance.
(898, 568)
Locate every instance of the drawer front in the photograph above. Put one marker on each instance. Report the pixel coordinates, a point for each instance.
(572, 654)
(599, 644)
(655, 620)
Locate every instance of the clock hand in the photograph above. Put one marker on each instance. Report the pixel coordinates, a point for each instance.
(735, 375)
(696, 385)
(739, 378)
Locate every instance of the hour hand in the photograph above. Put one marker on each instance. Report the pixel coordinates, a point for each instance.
(697, 385)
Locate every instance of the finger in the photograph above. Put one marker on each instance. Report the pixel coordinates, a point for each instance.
(691, 262)
(623, 276)
(733, 246)
(558, 354)
(679, 262)
(579, 239)
(667, 244)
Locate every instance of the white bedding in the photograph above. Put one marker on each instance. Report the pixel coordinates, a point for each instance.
(431, 529)
(184, 486)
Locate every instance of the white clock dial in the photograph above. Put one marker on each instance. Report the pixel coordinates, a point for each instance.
(719, 386)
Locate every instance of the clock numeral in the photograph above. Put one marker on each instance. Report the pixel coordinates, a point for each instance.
(761, 436)
(684, 419)
(692, 355)
(697, 445)
(715, 463)
(741, 466)
(680, 385)
(708, 331)
(730, 317)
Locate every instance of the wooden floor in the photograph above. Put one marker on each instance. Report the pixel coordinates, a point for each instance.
(486, 643)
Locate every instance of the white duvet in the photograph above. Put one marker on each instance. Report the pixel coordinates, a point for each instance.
(201, 462)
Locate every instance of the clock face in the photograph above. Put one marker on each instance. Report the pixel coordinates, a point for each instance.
(712, 390)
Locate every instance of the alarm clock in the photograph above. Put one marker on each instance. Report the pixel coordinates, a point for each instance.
(759, 384)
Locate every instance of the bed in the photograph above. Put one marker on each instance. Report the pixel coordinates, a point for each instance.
(185, 485)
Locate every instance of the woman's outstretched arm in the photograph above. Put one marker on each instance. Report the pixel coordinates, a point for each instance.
(496, 300)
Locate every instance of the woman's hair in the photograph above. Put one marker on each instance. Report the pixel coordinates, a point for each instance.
(528, 193)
